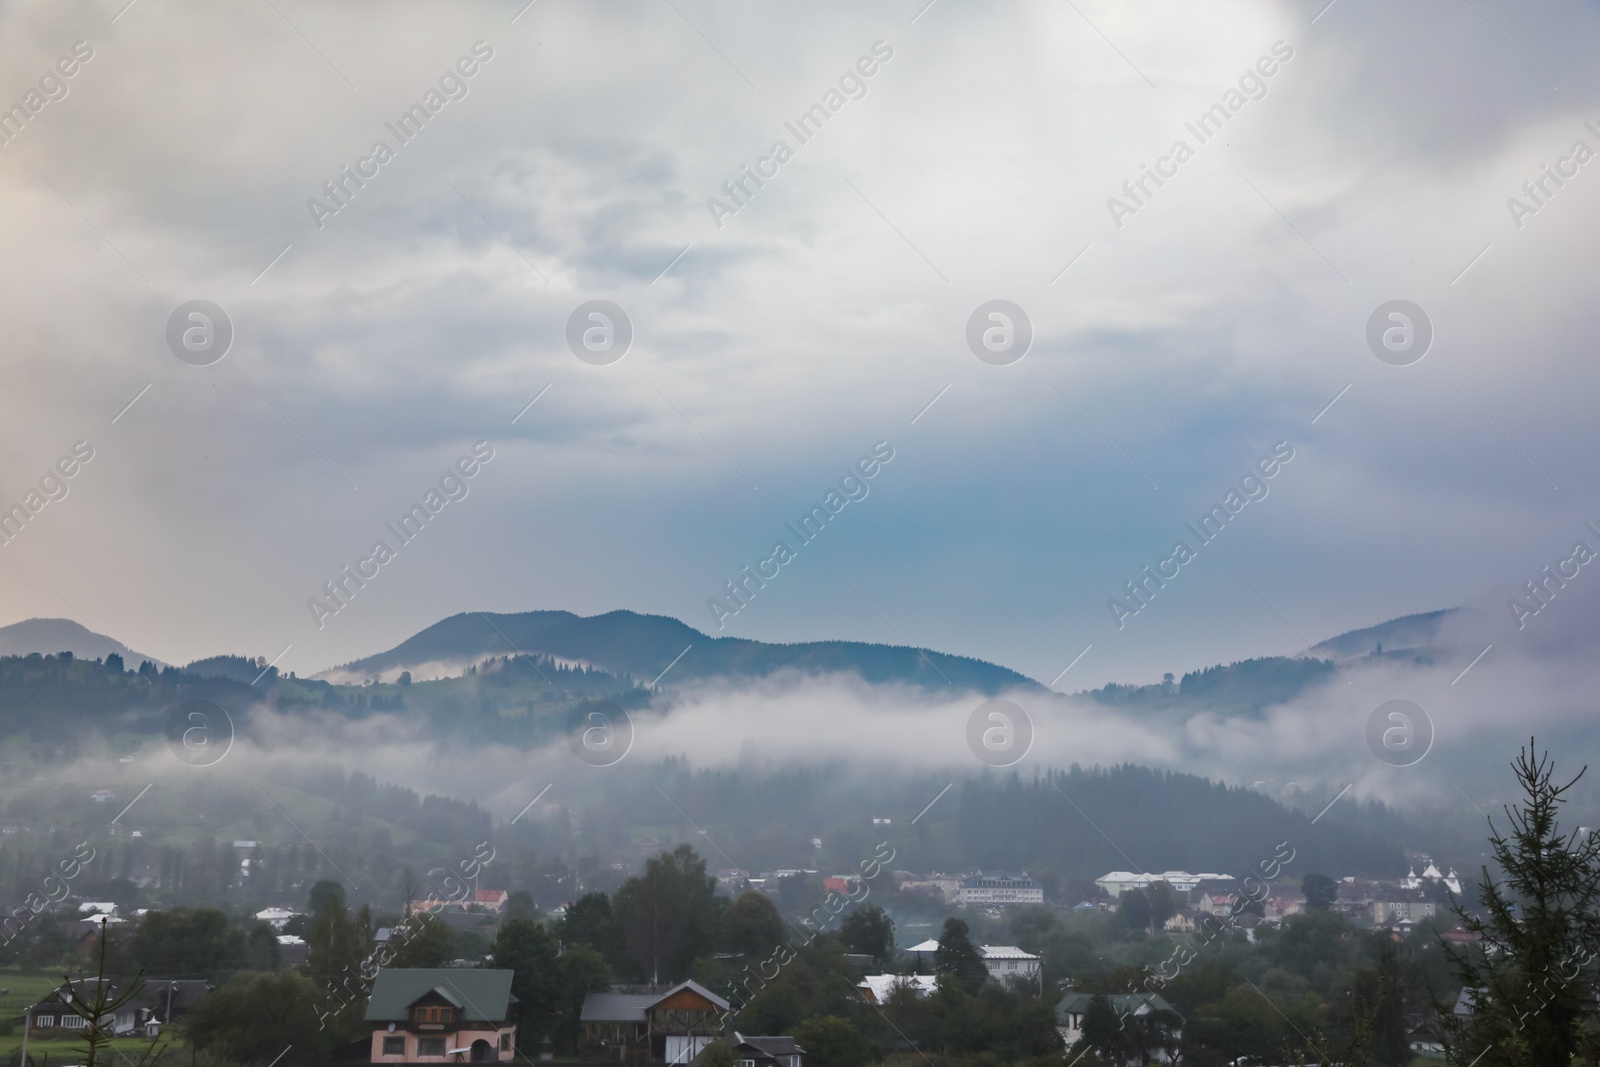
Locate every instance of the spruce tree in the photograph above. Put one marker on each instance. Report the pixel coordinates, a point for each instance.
(1532, 976)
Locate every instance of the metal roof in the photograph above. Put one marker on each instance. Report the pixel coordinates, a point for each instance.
(631, 1007)
(482, 995)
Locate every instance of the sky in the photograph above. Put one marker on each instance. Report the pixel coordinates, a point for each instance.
(1180, 333)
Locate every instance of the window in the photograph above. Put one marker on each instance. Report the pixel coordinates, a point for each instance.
(44, 1021)
(505, 1042)
(74, 1022)
(430, 1046)
(394, 1046)
(747, 1063)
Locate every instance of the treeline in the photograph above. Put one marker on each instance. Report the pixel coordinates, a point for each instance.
(1057, 820)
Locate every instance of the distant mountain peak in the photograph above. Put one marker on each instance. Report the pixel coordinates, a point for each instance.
(49, 636)
(638, 646)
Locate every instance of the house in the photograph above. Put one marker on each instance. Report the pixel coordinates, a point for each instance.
(766, 1051)
(493, 899)
(878, 988)
(651, 1027)
(1003, 961)
(159, 1001)
(1219, 904)
(1182, 923)
(1009, 961)
(276, 917)
(999, 889)
(86, 932)
(843, 884)
(943, 886)
(1282, 907)
(1071, 1009)
(101, 796)
(440, 1015)
(292, 951)
(1412, 905)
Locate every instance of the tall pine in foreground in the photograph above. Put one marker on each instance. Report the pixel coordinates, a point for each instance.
(1533, 977)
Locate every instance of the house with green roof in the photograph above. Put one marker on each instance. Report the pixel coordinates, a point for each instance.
(442, 1015)
(1148, 1020)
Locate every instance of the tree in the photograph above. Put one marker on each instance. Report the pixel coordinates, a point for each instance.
(181, 942)
(1320, 890)
(428, 942)
(337, 941)
(528, 951)
(589, 921)
(579, 972)
(520, 905)
(1134, 907)
(958, 958)
(95, 1002)
(1532, 975)
(325, 892)
(666, 915)
(1102, 1028)
(869, 930)
(752, 926)
(833, 1042)
(1163, 904)
(253, 1016)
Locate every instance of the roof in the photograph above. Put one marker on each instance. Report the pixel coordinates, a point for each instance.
(616, 1007)
(772, 1046)
(482, 995)
(1122, 1003)
(881, 987)
(631, 1007)
(1005, 952)
(930, 945)
(1019, 881)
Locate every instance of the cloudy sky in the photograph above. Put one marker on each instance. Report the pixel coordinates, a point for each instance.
(1174, 344)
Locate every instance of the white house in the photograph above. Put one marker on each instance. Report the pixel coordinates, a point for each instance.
(276, 917)
(878, 988)
(1009, 961)
(1003, 961)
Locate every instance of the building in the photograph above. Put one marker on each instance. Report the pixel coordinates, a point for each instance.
(1402, 906)
(651, 1027)
(943, 886)
(1009, 961)
(766, 1051)
(878, 988)
(1001, 889)
(1073, 1006)
(1003, 961)
(439, 1015)
(1431, 876)
(292, 951)
(493, 899)
(276, 917)
(1118, 882)
(159, 1001)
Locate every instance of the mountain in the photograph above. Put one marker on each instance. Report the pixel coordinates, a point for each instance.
(641, 647)
(1406, 634)
(49, 636)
